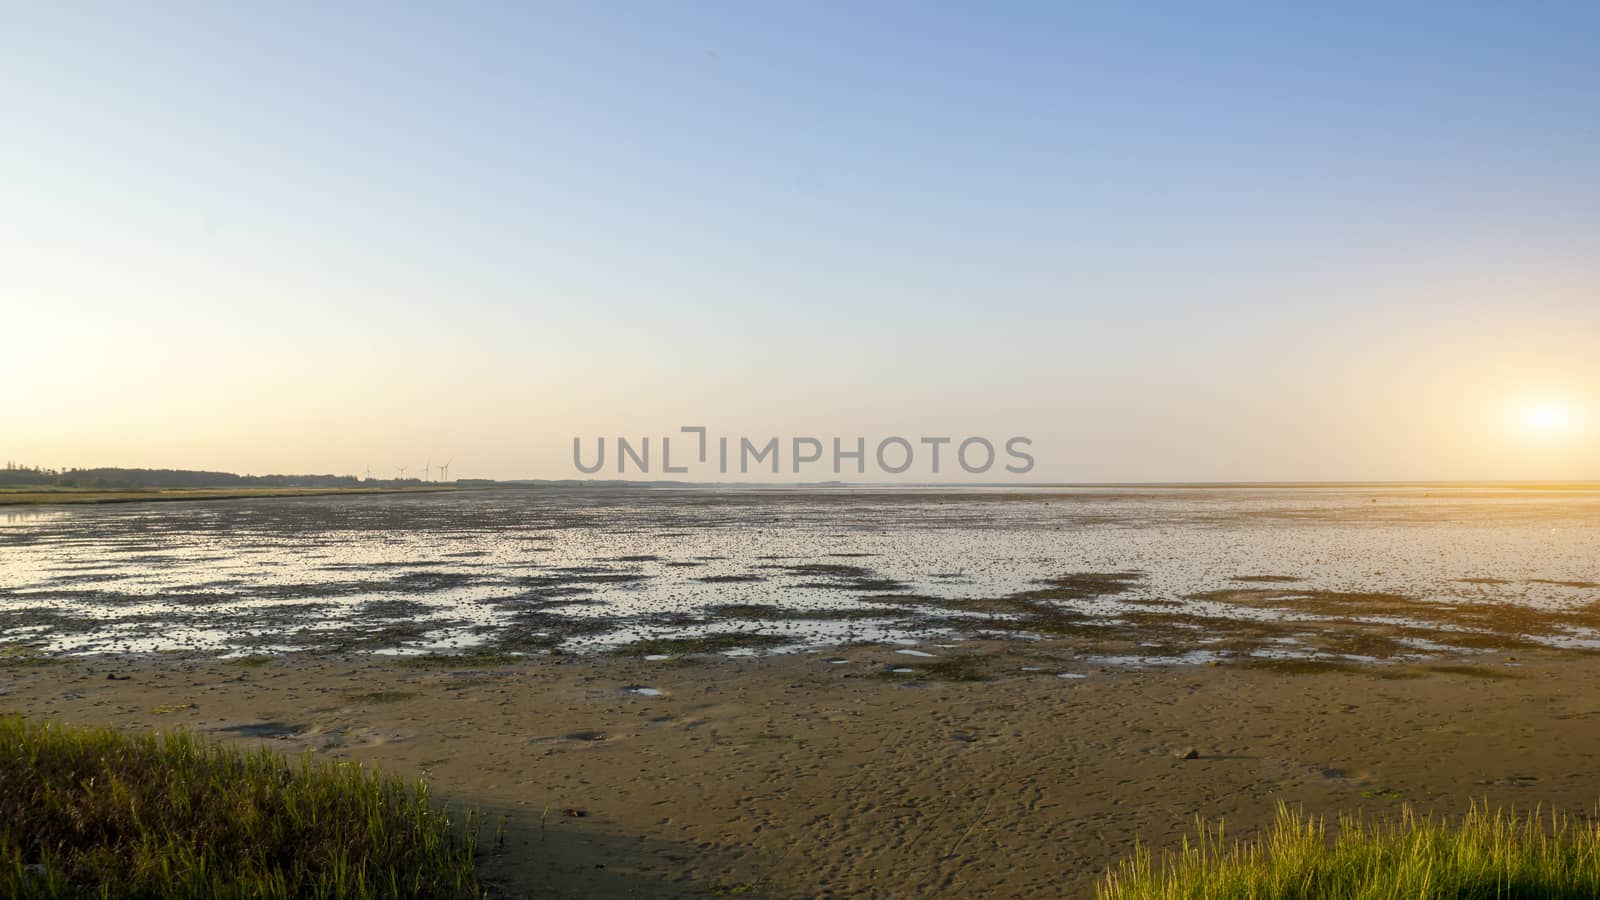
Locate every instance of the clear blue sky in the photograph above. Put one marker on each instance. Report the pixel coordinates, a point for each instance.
(1198, 241)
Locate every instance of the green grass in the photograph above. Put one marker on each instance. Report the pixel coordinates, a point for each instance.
(24, 656)
(1485, 854)
(97, 813)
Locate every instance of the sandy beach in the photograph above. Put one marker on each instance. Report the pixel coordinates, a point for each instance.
(826, 774)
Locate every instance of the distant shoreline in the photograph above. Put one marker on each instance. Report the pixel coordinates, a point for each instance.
(74, 496)
(13, 496)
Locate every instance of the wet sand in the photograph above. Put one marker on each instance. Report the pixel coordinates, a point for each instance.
(792, 775)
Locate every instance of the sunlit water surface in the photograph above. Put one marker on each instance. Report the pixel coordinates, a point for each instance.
(532, 570)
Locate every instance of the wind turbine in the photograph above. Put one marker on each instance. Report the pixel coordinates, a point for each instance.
(425, 468)
(444, 469)
(402, 471)
(368, 475)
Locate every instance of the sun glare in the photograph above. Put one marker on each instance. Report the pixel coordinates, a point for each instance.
(1546, 419)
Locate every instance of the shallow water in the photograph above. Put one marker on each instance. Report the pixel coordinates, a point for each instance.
(531, 570)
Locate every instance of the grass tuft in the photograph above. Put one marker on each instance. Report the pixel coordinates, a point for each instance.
(95, 812)
(1487, 854)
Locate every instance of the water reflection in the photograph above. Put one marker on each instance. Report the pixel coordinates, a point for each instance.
(1165, 574)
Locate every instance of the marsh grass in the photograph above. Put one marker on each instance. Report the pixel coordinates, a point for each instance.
(95, 812)
(25, 656)
(1485, 854)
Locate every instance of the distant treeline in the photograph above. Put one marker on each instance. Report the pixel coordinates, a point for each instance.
(13, 475)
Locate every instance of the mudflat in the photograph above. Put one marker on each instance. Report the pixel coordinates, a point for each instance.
(832, 774)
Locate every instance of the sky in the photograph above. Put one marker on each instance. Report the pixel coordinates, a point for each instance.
(1181, 242)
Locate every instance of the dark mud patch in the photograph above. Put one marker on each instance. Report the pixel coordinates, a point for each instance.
(1473, 671)
(1255, 622)
(393, 609)
(263, 730)
(380, 696)
(783, 614)
(1267, 579)
(1304, 666)
(375, 566)
(840, 577)
(963, 668)
(670, 620)
(351, 638)
(1317, 666)
(1507, 623)
(455, 661)
(52, 620)
(720, 642)
(528, 630)
(581, 576)
(1086, 586)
